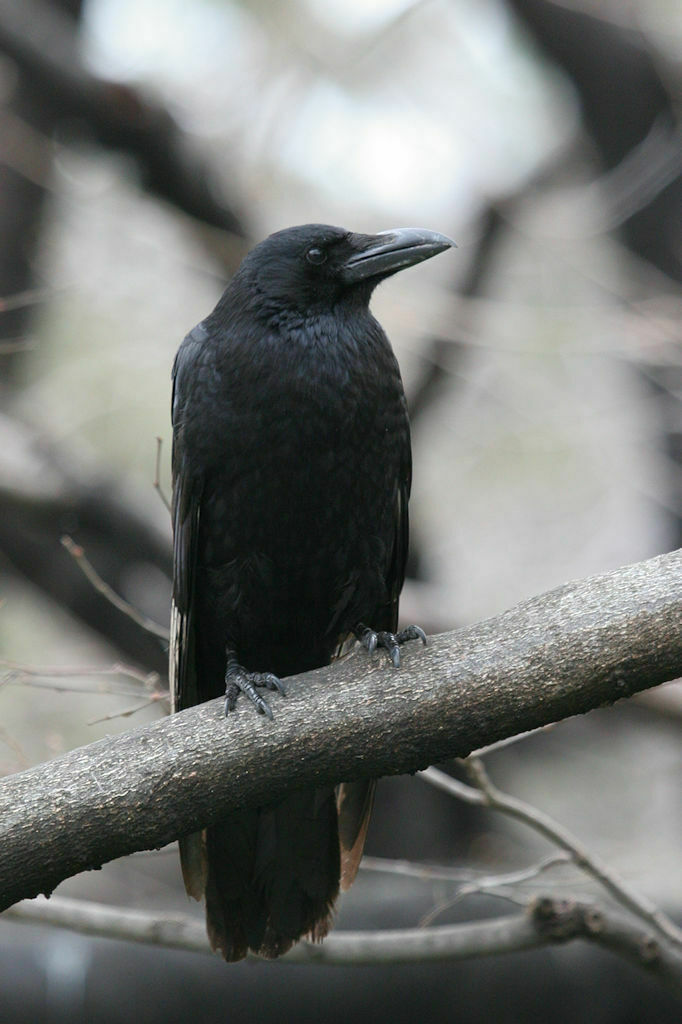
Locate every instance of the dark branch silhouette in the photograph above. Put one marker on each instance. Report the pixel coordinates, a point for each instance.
(43, 42)
(46, 490)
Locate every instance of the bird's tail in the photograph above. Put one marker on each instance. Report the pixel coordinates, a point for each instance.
(271, 875)
(354, 802)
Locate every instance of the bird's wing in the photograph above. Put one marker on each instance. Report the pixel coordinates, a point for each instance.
(182, 669)
(183, 685)
(354, 802)
(186, 513)
(395, 576)
(355, 799)
(386, 617)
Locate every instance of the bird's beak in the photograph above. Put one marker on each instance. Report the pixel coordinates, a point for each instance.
(378, 256)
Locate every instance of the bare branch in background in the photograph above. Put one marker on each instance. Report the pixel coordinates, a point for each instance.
(496, 885)
(47, 490)
(43, 42)
(102, 587)
(15, 747)
(153, 698)
(416, 869)
(487, 795)
(547, 921)
(26, 675)
(157, 474)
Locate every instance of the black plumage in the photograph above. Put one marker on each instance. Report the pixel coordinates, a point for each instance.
(291, 479)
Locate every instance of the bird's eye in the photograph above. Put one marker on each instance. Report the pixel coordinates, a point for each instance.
(316, 255)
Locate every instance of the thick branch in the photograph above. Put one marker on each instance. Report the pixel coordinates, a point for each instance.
(580, 646)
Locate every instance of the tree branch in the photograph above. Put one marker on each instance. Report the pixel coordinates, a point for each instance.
(43, 487)
(42, 41)
(102, 587)
(546, 921)
(580, 646)
(488, 795)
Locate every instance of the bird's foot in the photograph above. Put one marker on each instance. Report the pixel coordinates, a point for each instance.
(371, 639)
(240, 680)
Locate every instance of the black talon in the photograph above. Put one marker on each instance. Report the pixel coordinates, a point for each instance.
(411, 633)
(371, 639)
(240, 680)
(394, 651)
(231, 694)
(271, 682)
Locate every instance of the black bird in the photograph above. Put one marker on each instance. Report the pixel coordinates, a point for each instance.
(291, 477)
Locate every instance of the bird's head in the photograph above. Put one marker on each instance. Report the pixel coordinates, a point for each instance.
(314, 267)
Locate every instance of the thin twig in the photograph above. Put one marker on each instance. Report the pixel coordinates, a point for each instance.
(77, 553)
(14, 746)
(493, 884)
(40, 684)
(18, 673)
(157, 475)
(413, 869)
(487, 795)
(509, 895)
(154, 698)
(27, 675)
(511, 740)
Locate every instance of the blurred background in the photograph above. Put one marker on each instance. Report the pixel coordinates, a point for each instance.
(144, 147)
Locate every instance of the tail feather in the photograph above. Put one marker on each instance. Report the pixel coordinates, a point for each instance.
(273, 875)
(354, 802)
(194, 864)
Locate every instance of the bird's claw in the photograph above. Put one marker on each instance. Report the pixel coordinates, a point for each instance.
(239, 680)
(411, 633)
(371, 639)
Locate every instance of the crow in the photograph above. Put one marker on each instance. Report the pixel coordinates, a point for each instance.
(291, 478)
